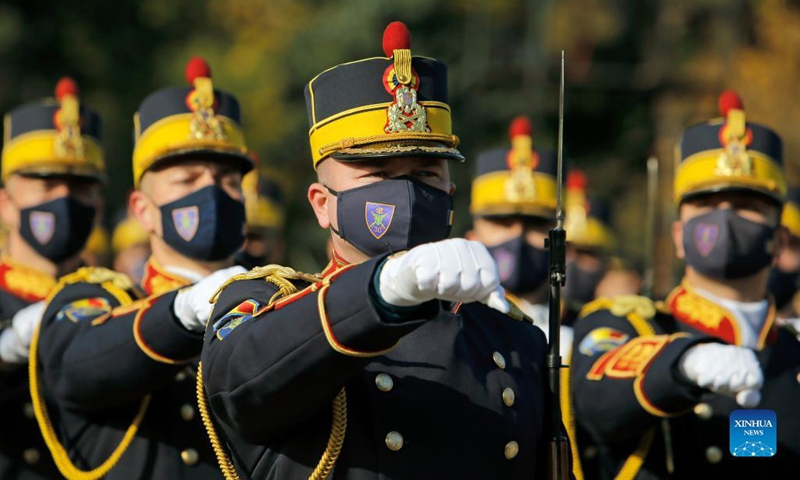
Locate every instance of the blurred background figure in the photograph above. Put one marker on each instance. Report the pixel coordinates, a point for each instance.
(620, 278)
(513, 208)
(97, 252)
(264, 239)
(590, 244)
(131, 246)
(784, 274)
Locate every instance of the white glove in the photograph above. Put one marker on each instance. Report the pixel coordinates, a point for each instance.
(15, 341)
(726, 370)
(192, 304)
(453, 270)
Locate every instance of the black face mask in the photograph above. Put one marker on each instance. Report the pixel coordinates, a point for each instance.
(722, 245)
(522, 267)
(206, 225)
(782, 285)
(57, 229)
(581, 284)
(248, 260)
(393, 215)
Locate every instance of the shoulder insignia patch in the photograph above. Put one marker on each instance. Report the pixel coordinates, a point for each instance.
(602, 340)
(245, 311)
(85, 309)
(624, 305)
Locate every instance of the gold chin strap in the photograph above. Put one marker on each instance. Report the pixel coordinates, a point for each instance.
(60, 454)
(279, 276)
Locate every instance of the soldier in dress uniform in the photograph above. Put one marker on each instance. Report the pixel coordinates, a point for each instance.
(264, 241)
(590, 243)
(784, 276)
(389, 363)
(52, 169)
(112, 364)
(513, 207)
(655, 386)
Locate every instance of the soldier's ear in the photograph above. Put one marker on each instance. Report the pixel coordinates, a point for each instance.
(145, 212)
(782, 238)
(8, 214)
(677, 239)
(319, 199)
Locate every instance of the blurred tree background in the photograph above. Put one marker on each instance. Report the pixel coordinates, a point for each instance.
(638, 72)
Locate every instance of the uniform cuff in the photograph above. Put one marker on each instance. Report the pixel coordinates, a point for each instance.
(161, 336)
(392, 313)
(657, 388)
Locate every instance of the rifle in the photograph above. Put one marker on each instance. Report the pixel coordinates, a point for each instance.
(556, 243)
(652, 199)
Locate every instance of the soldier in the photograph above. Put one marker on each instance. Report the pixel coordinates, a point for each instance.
(52, 169)
(513, 207)
(367, 370)
(783, 278)
(590, 244)
(110, 370)
(655, 388)
(264, 243)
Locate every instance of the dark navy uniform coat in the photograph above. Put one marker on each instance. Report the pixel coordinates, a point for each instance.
(23, 455)
(431, 394)
(96, 367)
(621, 401)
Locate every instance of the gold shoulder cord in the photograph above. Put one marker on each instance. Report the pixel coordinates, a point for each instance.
(281, 277)
(59, 453)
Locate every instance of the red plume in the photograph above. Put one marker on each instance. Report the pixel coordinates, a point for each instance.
(197, 67)
(728, 100)
(66, 86)
(520, 126)
(576, 180)
(396, 37)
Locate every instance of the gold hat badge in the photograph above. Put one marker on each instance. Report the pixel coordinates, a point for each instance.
(734, 137)
(522, 160)
(201, 101)
(67, 120)
(404, 114)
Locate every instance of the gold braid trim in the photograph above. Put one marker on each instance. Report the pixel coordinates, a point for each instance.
(634, 462)
(350, 142)
(279, 276)
(60, 455)
(569, 419)
(225, 463)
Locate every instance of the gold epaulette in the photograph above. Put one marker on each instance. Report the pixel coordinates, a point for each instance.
(622, 306)
(112, 281)
(515, 312)
(278, 275)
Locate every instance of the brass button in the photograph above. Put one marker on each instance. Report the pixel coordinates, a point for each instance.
(798, 378)
(190, 456)
(394, 441)
(28, 410)
(31, 456)
(703, 410)
(384, 382)
(180, 376)
(589, 452)
(499, 360)
(187, 412)
(713, 454)
(512, 449)
(508, 397)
